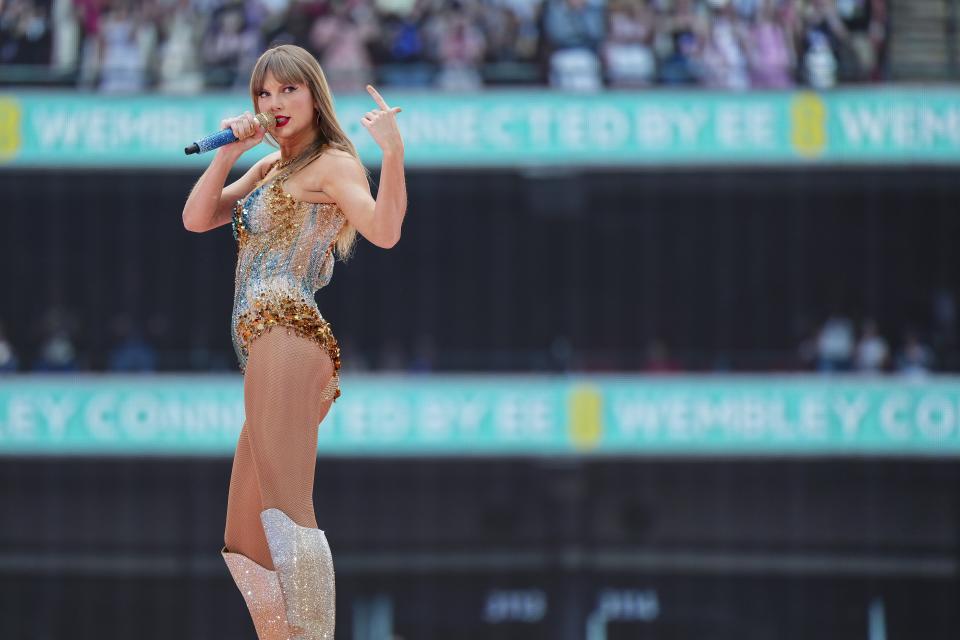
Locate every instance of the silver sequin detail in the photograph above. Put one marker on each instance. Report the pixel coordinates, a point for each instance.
(304, 567)
(261, 591)
(284, 252)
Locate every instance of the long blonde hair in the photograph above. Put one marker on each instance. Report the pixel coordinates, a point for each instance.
(295, 65)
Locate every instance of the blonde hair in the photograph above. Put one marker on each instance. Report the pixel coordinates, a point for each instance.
(295, 65)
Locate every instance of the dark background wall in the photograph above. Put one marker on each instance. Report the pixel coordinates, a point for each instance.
(726, 549)
(506, 270)
(497, 268)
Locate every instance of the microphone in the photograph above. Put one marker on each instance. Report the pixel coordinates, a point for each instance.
(226, 136)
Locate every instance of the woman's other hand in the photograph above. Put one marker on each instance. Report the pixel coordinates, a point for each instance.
(382, 124)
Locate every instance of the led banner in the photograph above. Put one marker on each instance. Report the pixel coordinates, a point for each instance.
(515, 128)
(498, 415)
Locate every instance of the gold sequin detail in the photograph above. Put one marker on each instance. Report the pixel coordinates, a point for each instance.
(239, 226)
(303, 318)
(284, 253)
(282, 208)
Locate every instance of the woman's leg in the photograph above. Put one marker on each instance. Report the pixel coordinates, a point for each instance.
(275, 462)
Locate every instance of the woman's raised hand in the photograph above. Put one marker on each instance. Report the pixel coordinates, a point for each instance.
(382, 123)
(248, 131)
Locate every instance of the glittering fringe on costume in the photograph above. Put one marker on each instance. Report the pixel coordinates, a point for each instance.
(285, 255)
(238, 224)
(297, 315)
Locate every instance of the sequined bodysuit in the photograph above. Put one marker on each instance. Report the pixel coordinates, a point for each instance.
(284, 256)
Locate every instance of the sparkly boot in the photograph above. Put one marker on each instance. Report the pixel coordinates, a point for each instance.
(261, 591)
(304, 567)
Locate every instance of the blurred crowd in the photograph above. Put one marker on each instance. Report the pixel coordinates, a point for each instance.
(835, 345)
(839, 343)
(59, 343)
(838, 346)
(188, 45)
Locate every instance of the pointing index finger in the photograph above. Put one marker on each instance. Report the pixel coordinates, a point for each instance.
(377, 97)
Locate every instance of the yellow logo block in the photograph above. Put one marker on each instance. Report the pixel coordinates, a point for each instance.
(9, 128)
(808, 124)
(585, 408)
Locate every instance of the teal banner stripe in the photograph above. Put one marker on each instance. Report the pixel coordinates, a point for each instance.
(510, 128)
(498, 415)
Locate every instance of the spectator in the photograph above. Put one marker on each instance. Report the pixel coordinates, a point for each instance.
(124, 40)
(403, 42)
(510, 30)
(57, 353)
(685, 31)
(574, 30)
(824, 43)
(835, 345)
(944, 311)
(131, 352)
(25, 36)
(560, 355)
(178, 70)
(915, 358)
(628, 51)
(659, 359)
(396, 7)
(864, 20)
(405, 39)
(460, 49)
(340, 39)
(771, 54)
(724, 59)
(871, 352)
(8, 356)
(226, 46)
(65, 49)
(819, 62)
(746, 9)
(88, 13)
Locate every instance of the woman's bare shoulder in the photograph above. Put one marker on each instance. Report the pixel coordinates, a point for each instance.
(267, 161)
(338, 160)
(338, 153)
(333, 164)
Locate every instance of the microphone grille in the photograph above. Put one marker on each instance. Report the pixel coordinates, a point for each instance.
(268, 120)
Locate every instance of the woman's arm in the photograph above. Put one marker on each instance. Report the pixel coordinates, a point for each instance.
(392, 194)
(210, 204)
(378, 221)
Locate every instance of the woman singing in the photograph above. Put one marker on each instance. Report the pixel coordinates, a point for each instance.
(290, 213)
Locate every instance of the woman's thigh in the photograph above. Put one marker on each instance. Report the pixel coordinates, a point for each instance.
(283, 384)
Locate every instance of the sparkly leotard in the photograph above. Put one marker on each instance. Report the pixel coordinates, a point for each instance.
(284, 256)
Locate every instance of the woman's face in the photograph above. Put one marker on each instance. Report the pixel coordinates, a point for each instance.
(291, 103)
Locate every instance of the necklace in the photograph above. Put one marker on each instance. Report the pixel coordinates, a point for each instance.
(281, 164)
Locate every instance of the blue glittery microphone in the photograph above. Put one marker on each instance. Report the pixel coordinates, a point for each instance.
(226, 136)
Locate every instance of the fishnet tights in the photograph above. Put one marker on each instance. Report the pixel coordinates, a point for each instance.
(284, 400)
